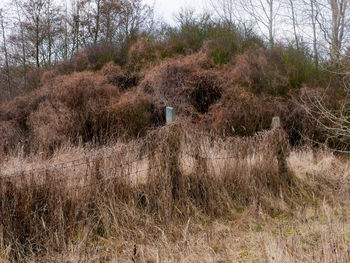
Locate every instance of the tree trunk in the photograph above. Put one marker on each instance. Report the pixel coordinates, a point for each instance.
(314, 41)
(6, 55)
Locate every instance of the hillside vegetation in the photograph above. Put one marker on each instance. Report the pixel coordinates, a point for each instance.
(221, 78)
(239, 98)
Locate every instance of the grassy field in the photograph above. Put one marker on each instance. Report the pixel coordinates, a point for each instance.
(177, 195)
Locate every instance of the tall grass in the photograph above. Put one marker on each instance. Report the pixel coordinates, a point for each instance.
(173, 176)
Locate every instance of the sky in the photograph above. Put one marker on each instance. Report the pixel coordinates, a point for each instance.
(168, 8)
(163, 8)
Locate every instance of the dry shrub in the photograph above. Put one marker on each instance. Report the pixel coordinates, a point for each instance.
(256, 70)
(71, 109)
(100, 54)
(91, 58)
(80, 106)
(301, 128)
(10, 133)
(34, 76)
(206, 92)
(325, 109)
(50, 128)
(116, 76)
(275, 71)
(143, 53)
(20, 107)
(184, 83)
(77, 63)
(236, 99)
(240, 112)
(131, 115)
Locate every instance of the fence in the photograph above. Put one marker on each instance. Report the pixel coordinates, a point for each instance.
(113, 164)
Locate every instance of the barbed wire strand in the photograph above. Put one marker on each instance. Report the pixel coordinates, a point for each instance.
(51, 168)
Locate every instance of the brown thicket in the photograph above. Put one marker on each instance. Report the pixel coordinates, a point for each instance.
(188, 84)
(81, 106)
(239, 98)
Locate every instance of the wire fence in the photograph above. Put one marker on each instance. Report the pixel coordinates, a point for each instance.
(97, 161)
(91, 161)
(87, 160)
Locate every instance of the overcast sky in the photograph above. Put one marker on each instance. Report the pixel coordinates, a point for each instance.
(168, 8)
(163, 8)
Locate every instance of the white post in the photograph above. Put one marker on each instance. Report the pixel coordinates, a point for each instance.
(276, 123)
(170, 114)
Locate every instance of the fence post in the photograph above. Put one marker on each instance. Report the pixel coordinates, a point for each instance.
(173, 142)
(276, 123)
(281, 149)
(170, 114)
(173, 162)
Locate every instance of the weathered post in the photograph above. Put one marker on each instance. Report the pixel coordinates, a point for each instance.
(170, 114)
(173, 143)
(281, 148)
(173, 162)
(276, 123)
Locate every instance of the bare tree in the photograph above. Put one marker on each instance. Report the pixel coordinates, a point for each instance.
(229, 11)
(90, 16)
(314, 17)
(65, 46)
(110, 12)
(53, 30)
(4, 42)
(33, 26)
(334, 21)
(340, 21)
(19, 40)
(335, 121)
(103, 18)
(293, 17)
(135, 16)
(309, 26)
(74, 20)
(265, 13)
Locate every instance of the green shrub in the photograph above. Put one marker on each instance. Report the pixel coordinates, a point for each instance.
(100, 54)
(274, 71)
(228, 40)
(143, 52)
(189, 35)
(296, 64)
(225, 43)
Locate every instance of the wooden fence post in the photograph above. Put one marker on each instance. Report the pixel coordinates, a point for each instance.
(173, 143)
(281, 149)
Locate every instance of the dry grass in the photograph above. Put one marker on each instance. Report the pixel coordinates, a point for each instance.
(175, 196)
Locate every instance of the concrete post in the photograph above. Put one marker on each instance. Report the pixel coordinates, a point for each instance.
(170, 114)
(276, 123)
